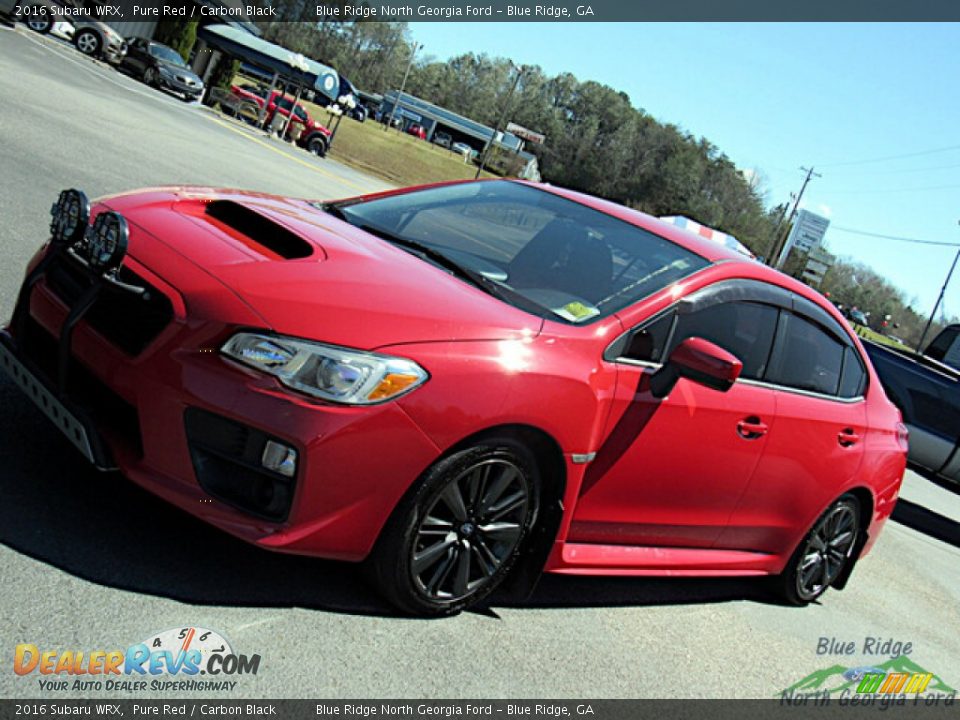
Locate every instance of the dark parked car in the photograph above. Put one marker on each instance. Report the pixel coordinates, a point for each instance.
(859, 317)
(162, 67)
(926, 388)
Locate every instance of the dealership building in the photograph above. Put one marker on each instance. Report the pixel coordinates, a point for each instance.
(433, 119)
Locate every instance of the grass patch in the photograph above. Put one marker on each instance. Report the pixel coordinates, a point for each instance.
(876, 337)
(396, 157)
(392, 156)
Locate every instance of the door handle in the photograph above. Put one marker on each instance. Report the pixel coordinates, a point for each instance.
(751, 428)
(848, 437)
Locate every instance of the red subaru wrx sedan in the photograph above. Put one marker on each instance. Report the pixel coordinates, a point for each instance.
(461, 383)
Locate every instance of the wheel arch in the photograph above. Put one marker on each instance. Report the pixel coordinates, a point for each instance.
(866, 501)
(317, 135)
(548, 454)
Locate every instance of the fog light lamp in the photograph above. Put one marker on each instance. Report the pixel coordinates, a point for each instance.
(279, 458)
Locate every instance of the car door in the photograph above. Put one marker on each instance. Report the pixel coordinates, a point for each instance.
(671, 471)
(817, 445)
(135, 57)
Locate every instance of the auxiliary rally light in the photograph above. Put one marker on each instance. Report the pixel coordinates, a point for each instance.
(70, 215)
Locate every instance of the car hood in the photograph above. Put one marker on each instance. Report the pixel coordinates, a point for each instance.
(345, 286)
(180, 70)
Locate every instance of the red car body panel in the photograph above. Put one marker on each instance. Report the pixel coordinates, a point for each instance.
(732, 507)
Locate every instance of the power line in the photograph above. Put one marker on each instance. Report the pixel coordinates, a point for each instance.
(894, 237)
(892, 157)
(896, 190)
(903, 170)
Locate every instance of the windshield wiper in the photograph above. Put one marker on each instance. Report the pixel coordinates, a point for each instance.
(425, 252)
(437, 258)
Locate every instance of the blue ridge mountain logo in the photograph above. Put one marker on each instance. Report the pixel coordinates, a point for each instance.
(899, 678)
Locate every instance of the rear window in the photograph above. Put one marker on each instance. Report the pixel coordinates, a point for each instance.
(576, 263)
(806, 357)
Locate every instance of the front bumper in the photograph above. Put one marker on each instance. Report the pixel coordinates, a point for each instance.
(354, 463)
(114, 52)
(178, 86)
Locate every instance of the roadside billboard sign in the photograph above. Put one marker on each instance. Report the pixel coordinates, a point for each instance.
(529, 135)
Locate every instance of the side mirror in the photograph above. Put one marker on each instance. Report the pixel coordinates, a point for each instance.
(700, 361)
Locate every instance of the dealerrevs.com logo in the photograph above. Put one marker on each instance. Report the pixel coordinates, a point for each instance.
(166, 661)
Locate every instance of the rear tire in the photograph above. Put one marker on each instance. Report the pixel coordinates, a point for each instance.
(822, 555)
(40, 25)
(318, 146)
(88, 42)
(456, 535)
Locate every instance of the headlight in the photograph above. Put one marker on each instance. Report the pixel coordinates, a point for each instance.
(70, 213)
(328, 372)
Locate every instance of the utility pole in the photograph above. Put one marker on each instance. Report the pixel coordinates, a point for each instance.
(503, 116)
(779, 252)
(403, 84)
(936, 306)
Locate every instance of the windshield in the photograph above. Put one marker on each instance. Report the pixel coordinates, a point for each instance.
(169, 55)
(574, 262)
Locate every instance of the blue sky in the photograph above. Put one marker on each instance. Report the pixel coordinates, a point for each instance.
(774, 97)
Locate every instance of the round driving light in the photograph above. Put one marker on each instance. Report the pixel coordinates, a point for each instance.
(107, 241)
(70, 215)
(336, 377)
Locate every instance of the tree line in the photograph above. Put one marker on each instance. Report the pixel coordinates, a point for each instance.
(597, 140)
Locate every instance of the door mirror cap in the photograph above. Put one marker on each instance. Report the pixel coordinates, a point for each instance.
(699, 361)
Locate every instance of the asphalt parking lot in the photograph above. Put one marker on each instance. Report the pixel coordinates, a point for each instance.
(91, 562)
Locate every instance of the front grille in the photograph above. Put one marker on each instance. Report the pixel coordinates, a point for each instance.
(113, 416)
(226, 459)
(127, 321)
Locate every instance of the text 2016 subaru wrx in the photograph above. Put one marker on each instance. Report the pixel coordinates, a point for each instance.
(461, 384)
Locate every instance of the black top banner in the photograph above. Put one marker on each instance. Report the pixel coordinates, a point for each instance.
(524, 10)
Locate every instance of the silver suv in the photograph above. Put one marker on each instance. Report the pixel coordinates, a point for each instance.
(92, 36)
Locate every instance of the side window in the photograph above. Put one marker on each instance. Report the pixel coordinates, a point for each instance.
(648, 341)
(806, 357)
(745, 329)
(853, 377)
(946, 348)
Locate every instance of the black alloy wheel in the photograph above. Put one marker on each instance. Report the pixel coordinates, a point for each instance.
(824, 552)
(453, 540)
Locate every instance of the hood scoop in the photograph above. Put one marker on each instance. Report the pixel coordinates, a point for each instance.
(257, 232)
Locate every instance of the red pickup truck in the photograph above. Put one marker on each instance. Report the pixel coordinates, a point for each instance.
(313, 136)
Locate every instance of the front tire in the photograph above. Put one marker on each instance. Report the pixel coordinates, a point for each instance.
(823, 554)
(456, 536)
(88, 42)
